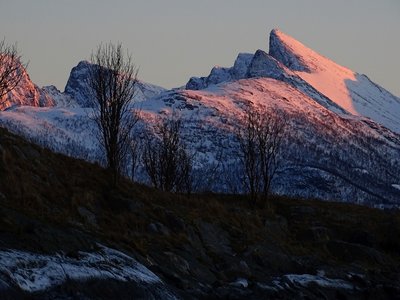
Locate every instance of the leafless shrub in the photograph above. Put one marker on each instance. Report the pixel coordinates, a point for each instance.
(113, 79)
(166, 159)
(259, 134)
(11, 68)
(136, 149)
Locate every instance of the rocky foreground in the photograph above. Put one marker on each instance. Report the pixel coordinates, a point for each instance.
(65, 234)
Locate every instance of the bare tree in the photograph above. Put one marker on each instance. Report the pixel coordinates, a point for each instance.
(205, 178)
(165, 157)
(112, 80)
(246, 134)
(135, 155)
(11, 69)
(260, 134)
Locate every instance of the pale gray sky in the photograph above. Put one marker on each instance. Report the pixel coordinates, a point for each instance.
(172, 40)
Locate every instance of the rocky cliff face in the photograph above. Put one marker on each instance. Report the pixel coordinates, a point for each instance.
(26, 93)
(264, 65)
(285, 53)
(77, 86)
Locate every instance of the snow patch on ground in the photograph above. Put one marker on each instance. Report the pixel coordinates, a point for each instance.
(307, 279)
(37, 272)
(396, 186)
(240, 282)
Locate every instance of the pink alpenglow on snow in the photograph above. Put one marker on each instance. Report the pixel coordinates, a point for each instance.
(352, 91)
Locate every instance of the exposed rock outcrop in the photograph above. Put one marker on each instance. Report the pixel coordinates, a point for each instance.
(220, 74)
(264, 65)
(77, 86)
(26, 93)
(284, 53)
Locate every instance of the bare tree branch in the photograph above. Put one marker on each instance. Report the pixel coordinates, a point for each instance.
(112, 79)
(165, 157)
(259, 134)
(11, 69)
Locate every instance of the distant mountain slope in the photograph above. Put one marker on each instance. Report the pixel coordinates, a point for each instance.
(330, 151)
(326, 155)
(64, 130)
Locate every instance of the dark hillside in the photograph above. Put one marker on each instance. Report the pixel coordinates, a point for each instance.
(201, 246)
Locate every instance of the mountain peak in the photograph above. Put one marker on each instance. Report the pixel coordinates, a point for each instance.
(78, 88)
(353, 92)
(289, 51)
(297, 56)
(77, 84)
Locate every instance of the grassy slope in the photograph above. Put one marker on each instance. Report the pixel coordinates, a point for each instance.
(50, 202)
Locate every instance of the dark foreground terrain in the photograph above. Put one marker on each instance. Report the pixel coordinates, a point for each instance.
(202, 246)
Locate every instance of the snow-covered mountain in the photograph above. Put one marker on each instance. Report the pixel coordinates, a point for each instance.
(354, 92)
(326, 155)
(336, 87)
(342, 144)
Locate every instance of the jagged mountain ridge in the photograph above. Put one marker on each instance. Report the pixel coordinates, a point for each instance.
(336, 87)
(76, 92)
(330, 152)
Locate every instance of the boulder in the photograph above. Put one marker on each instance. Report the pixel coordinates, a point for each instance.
(87, 215)
(214, 238)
